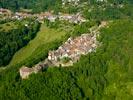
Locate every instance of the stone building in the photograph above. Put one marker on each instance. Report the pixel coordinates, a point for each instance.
(5, 12)
(40, 66)
(25, 72)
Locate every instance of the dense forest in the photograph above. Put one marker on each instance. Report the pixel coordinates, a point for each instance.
(113, 9)
(41, 5)
(15, 38)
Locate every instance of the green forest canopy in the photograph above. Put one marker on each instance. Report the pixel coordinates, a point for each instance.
(35, 5)
(43, 5)
(15, 35)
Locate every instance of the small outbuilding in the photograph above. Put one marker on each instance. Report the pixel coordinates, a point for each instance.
(25, 72)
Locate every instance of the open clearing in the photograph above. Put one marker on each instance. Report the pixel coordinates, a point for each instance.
(44, 36)
(8, 26)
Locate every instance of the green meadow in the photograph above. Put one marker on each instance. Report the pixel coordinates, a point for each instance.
(44, 36)
(8, 26)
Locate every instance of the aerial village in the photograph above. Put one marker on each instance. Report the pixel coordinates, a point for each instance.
(71, 50)
(72, 18)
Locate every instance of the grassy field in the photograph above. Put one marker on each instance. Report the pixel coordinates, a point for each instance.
(8, 26)
(12, 25)
(44, 36)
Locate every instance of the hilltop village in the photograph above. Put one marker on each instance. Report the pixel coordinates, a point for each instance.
(72, 49)
(67, 54)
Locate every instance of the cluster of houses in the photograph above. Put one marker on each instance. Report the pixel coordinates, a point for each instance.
(73, 48)
(72, 18)
(41, 16)
(77, 18)
(74, 2)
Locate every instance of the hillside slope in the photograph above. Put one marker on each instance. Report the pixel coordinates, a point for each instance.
(105, 74)
(44, 36)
